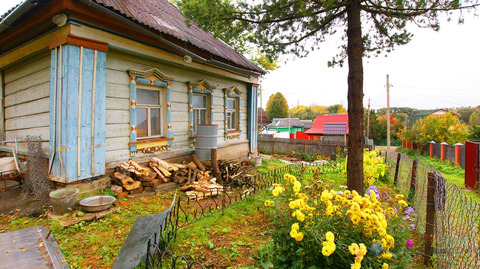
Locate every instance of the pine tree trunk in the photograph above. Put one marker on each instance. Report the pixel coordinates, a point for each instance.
(355, 99)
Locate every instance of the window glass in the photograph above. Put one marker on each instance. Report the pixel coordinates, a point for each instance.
(199, 100)
(231, 103)
(148, 97)
(155, 120)
(142, 122)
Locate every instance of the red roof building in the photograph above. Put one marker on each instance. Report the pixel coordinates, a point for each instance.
(329, 125)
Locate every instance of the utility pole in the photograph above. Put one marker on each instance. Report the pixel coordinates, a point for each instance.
(388, 114)
(368, 119)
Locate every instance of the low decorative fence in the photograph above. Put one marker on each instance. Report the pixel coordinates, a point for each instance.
(310, 147)
(448, 219)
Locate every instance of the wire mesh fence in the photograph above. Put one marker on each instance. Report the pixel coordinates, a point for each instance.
(456, 216)
(36, 181)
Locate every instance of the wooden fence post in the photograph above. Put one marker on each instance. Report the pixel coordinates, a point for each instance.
(413, 181)
(395, 179)
(430, 220)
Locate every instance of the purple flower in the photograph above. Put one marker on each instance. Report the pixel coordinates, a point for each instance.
(387, 196)
(395, 209)
(411, 227)
(375, 190)
(407, 217)
(409, 243)
(409, 210)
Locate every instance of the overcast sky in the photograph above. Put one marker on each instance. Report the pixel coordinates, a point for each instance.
(435, 70)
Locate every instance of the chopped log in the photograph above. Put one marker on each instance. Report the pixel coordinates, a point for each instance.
(179, 165)
(124, 179)
(156, 182)
(192, 165)
(182, 173)
(216, 170)
(164, 171)
(148, 189)
(201, 195)
(206, 163)
(143, 170)
(159, 174)
(133, 186)
(147, 178)
(116, 189)
(147, 184)
(195, 172)
(152, 175)
(187, 188)
(164, 164)
(139, 189)
(126, 167)
(197, 162)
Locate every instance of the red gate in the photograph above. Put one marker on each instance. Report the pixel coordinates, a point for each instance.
(472, 164)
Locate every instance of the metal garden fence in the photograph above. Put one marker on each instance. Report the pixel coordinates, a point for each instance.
(445, 215)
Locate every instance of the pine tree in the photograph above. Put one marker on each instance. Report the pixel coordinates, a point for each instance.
(369, 27)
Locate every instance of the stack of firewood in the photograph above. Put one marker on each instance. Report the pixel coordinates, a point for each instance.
(198, 178)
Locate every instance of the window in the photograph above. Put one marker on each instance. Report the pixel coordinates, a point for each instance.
(201, 111)
(150, 113)
(232, 114)
(233, 102)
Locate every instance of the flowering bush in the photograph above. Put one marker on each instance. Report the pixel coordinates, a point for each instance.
(374, 167)
(338, 230)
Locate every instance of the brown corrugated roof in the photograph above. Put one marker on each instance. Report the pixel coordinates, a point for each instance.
(166, 18)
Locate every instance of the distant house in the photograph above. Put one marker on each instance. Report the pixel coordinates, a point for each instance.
(288, 125)
(423, 114)
(263, 121)
(331, 127)
(103, 81)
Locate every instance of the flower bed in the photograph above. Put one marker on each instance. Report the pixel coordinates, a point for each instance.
(338, 229)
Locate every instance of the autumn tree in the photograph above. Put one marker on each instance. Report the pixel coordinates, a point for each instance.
(307, 112)
(475, 118)
(444, 128)
(338, 108)
(277, 106)
(369, 27)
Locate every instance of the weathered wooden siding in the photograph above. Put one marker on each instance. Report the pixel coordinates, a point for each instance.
(26, 95)
(118, 109)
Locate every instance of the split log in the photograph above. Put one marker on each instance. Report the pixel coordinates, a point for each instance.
(133, 186)
(116, 189)
(198, 163)
(159, 173)
(179, 165)
(141, 169)
(164, 164)
(216, 170)
(192, 165)
(139, 189)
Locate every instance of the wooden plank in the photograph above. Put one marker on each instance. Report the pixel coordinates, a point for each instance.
(71, 65)
(85, 125)
(28, 81)
(118, 90)
(31, 121)
(117, 155)
(117, 130)
(32, 65)
(116, 143)
(2, 105)
(117, 116)
(117, 77)
(33, 47)
(178, 117)
(30, 108)
(118, 104)
(100, 108)
(22, 134)
(30, 94)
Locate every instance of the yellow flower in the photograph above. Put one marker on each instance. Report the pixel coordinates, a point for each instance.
(300, 216)
(275, 192)
(385, 266)
(269, 203)
(399, 196)
(402, 203)
(329, 236)
(299, 236)
(353, 248)
(387, 255)
(296, 186)
(295, 226)
(328, 248)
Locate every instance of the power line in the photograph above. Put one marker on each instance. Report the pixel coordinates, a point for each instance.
(431, 97)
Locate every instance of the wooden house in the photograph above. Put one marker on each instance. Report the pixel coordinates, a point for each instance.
(103, 81)
(330, 127)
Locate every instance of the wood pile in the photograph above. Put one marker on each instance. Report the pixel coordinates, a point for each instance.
(199, 179)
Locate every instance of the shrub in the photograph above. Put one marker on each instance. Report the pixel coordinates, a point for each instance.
(374, 167)
(340, 230)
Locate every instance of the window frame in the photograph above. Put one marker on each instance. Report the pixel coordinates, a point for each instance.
(197, 110)
(233, 93)
(162, 103)
(200, 87)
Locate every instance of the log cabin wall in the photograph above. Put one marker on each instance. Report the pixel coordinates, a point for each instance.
(26, 100)
(118, 107)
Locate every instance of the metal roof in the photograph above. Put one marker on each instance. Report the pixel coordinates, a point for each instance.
(322, 120)
(166, 18)
(334, 128)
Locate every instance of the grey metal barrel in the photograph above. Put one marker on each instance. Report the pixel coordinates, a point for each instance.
(206, 141)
